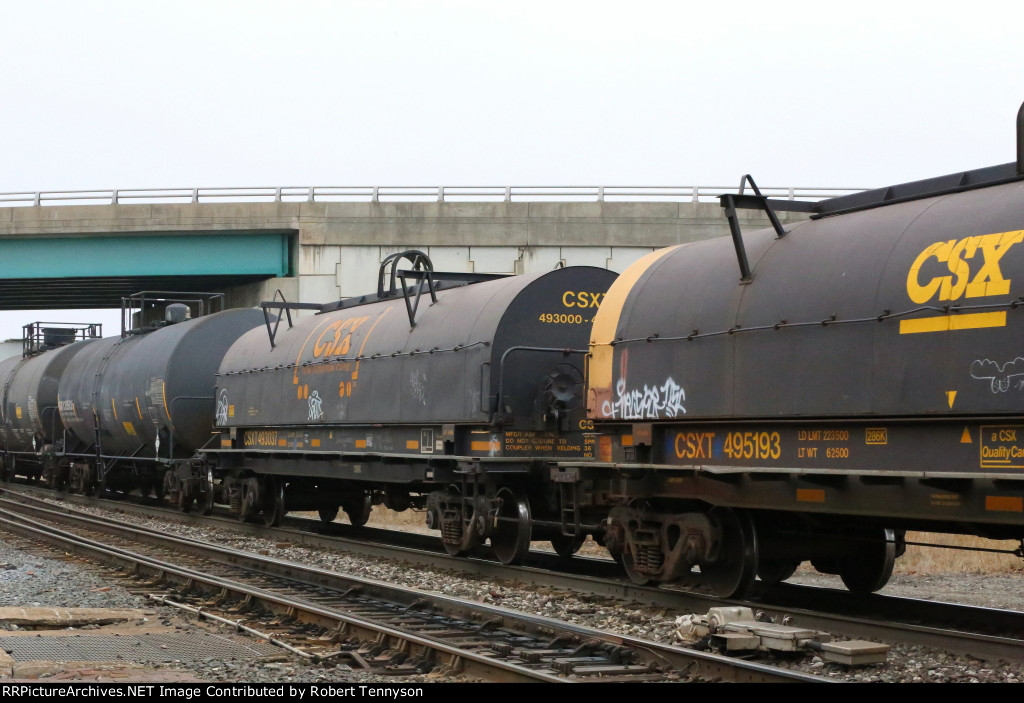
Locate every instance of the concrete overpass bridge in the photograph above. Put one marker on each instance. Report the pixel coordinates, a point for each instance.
(88, 249)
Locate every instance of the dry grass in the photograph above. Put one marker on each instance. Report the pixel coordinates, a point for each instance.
(932, 560)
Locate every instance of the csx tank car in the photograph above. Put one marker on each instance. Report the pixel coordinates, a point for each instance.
(457, 407)
(724, 411)
(811, 392)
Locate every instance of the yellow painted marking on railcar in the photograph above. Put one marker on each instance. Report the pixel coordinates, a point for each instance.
(965, 438)
(958, 255)
(810, 495)
(876, 435)
(138, 408)
(298, 358)
(627, 440)
(606, 321)
(314, 442)
(412, 444)
(17, 411)
(489, 446)
(1004, 504)
(282, 442)
(360, 444)
(225, 443)
(113, 407)
(355, 372)
(163, 392)
(231, 411)
(950, 397)
(129, 427)
(947, 323)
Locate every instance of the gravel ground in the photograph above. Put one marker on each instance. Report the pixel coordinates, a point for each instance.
(29, 580)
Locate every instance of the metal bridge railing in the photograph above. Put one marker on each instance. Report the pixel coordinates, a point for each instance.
(441, 194)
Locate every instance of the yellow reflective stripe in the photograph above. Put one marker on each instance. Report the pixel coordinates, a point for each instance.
(606, 322)
(1006, 504)
(945, 323)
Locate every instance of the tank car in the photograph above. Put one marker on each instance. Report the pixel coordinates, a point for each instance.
(811, 392)
(137, 403)
(449, 394)
(30, 425)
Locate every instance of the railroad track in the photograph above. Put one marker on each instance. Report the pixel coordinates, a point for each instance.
(985, 633)
(369, 623)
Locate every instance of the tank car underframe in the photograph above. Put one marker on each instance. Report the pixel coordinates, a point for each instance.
(736, 523)
(35, 466)
(472, 501)
(88, 472)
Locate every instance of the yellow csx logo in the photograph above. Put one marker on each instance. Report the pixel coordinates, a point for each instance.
(581, 299)
(337, 337)
(978, 255)
(973, 264)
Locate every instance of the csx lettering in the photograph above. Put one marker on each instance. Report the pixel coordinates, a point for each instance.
(581, 299)
(337, 337)
(260, 438)
(694, 445)
(586, 425)
(961, 258)
(1005, 436)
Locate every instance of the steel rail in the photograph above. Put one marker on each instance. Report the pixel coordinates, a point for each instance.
(874, 616)
(708, 665)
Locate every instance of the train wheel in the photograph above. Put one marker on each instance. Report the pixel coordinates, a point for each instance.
(208, 495)
(454, 549)
(273, 502)
(567, 545)
(511, 537)
(870, 569)
(328, 514)
(628, 562)
(358, 509)
(247, 505)
(775, 571)
(733, 572)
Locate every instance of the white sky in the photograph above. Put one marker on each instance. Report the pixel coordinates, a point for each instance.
(105, 94)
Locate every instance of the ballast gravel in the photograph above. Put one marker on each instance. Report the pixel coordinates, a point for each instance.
(30, 580)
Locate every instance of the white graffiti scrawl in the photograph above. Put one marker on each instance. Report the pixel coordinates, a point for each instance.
(650, 402)
(1000, 376)
(316, 410)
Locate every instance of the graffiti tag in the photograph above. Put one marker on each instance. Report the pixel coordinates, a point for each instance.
(649, 402)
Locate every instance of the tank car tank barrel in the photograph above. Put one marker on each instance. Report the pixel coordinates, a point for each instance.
(1020, 140)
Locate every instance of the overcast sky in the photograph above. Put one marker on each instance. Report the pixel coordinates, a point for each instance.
(108, 94)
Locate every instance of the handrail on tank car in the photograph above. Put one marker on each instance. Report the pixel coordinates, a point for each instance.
(287, 308)
(37, 337)
(203, 303)
(422, 271)
(422, 264)
(564, 351)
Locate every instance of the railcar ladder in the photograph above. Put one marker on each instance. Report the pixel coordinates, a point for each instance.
(568, 500)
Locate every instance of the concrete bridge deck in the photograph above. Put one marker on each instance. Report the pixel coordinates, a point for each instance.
(52, 256)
